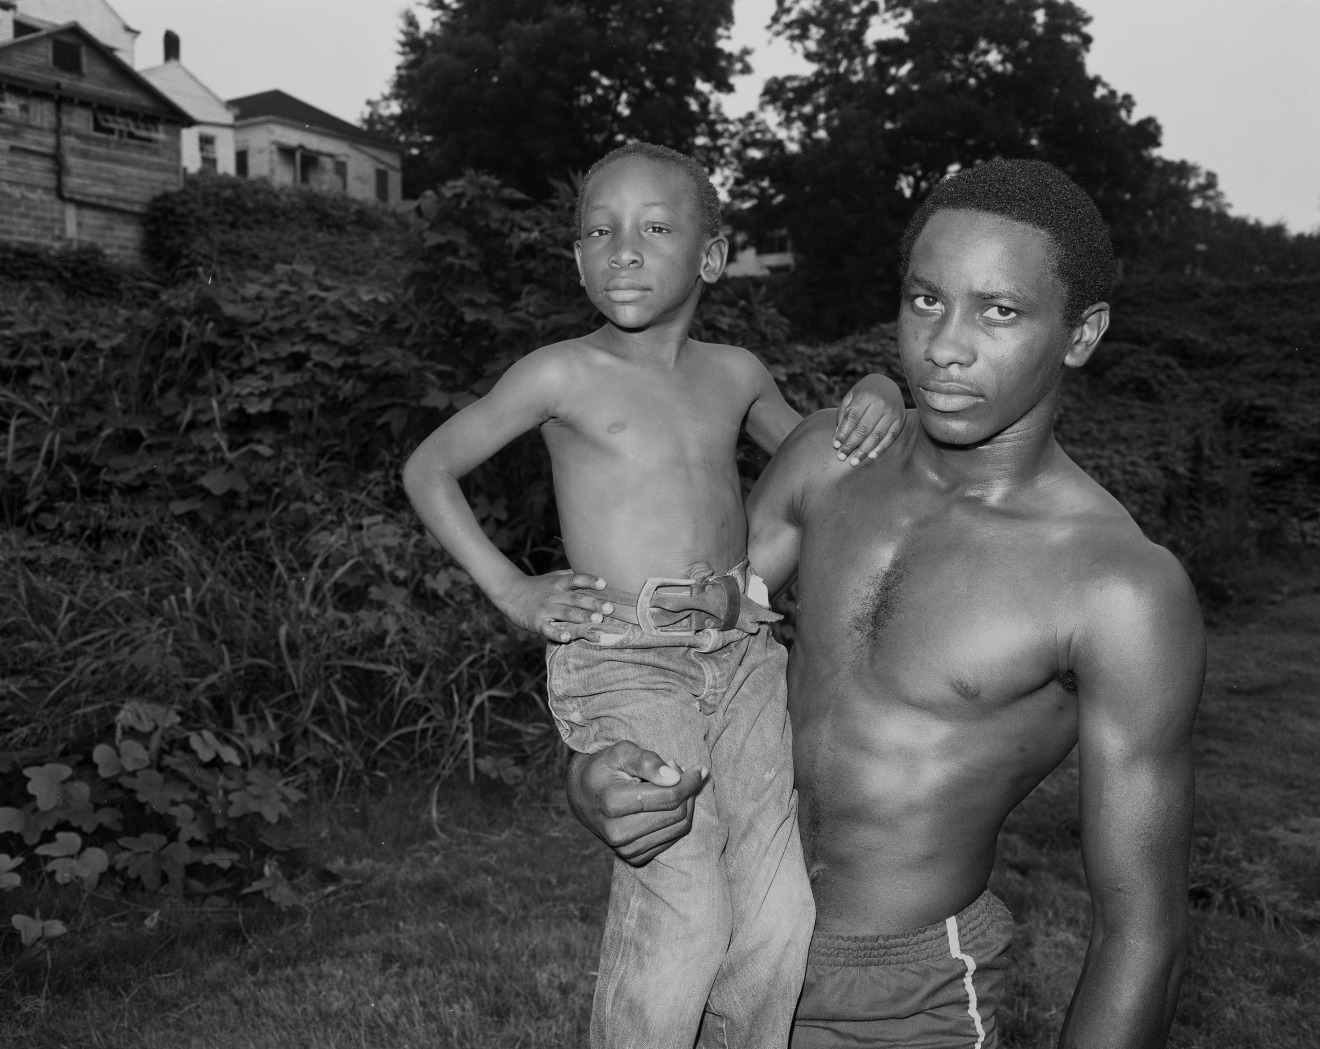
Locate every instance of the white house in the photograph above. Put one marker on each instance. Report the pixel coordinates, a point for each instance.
(283, 139)
(209, 144)
(96, 16)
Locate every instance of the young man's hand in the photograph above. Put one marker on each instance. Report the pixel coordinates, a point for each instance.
(870, 418)
(632, 800)
(559, 606)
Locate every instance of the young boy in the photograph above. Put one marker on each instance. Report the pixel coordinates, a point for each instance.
(642, 424)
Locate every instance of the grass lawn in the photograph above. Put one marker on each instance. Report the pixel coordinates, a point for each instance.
(474, 923)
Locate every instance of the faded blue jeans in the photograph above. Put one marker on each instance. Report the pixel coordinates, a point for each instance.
(720, 922)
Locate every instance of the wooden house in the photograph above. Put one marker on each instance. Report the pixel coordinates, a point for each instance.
(85, 141)
(283, 139)
(96, 16)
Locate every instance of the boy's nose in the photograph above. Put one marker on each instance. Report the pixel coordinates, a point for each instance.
(626, 253)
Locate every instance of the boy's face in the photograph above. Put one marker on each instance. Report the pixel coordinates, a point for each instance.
(982, 328)
(643, 252)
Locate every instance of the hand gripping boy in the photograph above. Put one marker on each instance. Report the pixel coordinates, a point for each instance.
(642, 424)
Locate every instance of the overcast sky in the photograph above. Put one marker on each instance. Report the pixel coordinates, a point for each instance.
(1235, 83)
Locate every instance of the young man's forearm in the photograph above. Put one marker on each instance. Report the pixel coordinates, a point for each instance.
(1126, 995)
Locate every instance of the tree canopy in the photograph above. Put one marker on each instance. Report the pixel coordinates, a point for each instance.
(533, 90)
(904, 93)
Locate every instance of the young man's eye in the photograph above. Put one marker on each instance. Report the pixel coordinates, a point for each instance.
(656, 228)
(1000, 313)
(599, 231)
(926, 303)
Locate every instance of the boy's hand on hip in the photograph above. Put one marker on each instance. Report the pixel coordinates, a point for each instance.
(632, 800)
(870, 418)
(560, 606)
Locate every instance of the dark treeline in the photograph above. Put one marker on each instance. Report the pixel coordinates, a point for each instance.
(901, 93)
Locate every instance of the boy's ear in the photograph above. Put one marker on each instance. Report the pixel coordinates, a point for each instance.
(1086, 336)
(714, 258)
(577, 254)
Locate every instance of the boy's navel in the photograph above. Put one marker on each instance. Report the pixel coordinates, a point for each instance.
(618, 427)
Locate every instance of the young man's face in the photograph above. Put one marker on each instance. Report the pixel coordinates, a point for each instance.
(982, 326)
(644, 252)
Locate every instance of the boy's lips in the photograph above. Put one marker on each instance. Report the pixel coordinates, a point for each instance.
(947, 396)
(624, 290)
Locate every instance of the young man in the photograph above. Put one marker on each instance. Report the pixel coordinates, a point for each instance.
(642, 424)
(968, 611)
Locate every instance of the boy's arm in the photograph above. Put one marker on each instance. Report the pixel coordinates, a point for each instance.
(774, 527)
(558, 605)
(866, 423)
(1139, 668)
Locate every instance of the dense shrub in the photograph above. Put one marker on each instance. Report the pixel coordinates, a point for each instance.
(221, 226)
(83, 270)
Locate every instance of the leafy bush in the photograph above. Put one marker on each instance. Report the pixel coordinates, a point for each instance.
(218, 225)
(82, 270)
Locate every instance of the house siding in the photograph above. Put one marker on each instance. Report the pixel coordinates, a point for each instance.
(62, 182)
(271, 146)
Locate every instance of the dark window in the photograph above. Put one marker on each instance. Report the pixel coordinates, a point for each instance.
(66, 56)
(240, 163)
(382, 185)
(307, 165)
(341, 173)
(206, 146)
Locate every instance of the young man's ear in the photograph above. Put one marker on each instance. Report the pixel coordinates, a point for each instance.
(712, 262)
(1086, 336)
(577, 254)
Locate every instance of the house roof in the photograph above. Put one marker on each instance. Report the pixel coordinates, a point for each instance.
(279, 105)
(97, 16)
(180, 84)
(58, 82)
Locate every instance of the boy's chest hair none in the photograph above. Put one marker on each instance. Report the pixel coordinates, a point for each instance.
(641, 416)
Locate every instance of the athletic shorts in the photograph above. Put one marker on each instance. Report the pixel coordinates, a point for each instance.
(935, 988)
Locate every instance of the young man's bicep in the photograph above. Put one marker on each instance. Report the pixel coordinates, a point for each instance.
(1139, 681)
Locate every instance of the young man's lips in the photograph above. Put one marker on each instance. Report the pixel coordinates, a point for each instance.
(948, 398)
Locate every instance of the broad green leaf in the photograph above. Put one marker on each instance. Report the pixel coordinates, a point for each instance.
(11, 821)
(8, 879)
(66, 843)
(44, 783)
(107, 761)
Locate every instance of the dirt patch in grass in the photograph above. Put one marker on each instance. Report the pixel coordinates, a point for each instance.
(472, 919)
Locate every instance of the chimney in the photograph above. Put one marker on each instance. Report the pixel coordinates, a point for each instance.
(171, 46)
(7, 20)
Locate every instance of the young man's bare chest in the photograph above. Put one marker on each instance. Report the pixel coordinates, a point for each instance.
(931, 601)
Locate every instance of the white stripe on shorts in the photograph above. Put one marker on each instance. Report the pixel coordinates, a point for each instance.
(955, 951)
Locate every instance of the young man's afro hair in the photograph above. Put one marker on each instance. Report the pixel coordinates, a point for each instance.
(707, 199)
(1037, 194)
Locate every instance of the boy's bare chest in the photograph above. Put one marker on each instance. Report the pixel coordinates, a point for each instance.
(656, 414)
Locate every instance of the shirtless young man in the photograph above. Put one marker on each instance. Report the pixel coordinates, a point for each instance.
(642, 424)
(969, 610)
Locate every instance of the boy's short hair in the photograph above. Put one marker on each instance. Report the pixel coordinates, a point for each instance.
(708, 200)
(1037, 194)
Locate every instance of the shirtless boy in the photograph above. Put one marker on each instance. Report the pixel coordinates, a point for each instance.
(642, 424)
(969, 610)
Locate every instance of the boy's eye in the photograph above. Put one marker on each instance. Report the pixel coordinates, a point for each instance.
(999, 313)
(926, 303)
(653, 227)
(599, 231)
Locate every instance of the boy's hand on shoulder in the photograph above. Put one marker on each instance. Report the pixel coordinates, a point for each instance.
(559, 606)
(869, 419)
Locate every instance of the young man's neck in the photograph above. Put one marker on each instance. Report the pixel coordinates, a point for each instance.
(998, 466)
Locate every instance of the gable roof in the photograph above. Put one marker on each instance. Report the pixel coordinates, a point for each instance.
(82, 91)
(279, 105)
(96, 16)
(189, 93)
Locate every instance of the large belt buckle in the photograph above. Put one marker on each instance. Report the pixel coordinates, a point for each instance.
(644, 619)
